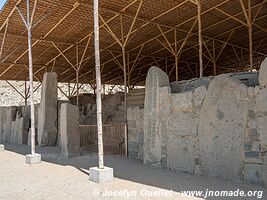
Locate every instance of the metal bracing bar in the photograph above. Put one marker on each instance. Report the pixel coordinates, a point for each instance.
(211, 56)
(214, 61)
(156, 62)
(210, 59)
(165, 38)
(35, 89)
(250, 36)
(78, 43)
(249, 19)
(98, 90)
(64, 56)
(37, 41)
(211, 38)
(177, 53)
(28, 26)
(25, 92)
(10, 14)
(110, 31)
(73, 89)
(3, 40)
(33, 74)
(200, 39)
(53, 65)
(195, 34)
(232, 17)
(224, 45)
(77, 74)
(136, 59)
(187, 37)
(80, 86)
(258, 11)
(192, 73)
(205, 12)
(166, 47)
(33, 12)
(86, 47)
(63, 92)
(116, 60)
(24, 97)
(133, 23)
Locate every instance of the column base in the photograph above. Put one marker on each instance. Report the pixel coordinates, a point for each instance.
(2, 147)
(33, 159)
(101, 175)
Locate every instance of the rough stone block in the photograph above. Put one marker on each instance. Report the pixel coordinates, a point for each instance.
(155, 79)
(33, 159)
(181, 124)
(252, 154)
(263, 73)
(253, 173)
(132, 134)
(2, 147)
(101, 175)
(261, 109)
(254, 134)
(181, 155)
(47, 115)
(69, 130)
(182, 101)
(140, 137)
(222, 124)
(131, 123)
(199, 95)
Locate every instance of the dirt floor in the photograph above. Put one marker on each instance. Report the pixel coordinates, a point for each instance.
(60, 178)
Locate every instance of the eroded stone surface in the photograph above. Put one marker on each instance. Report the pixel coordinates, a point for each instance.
(69, 130)
(47, 115)
(263, 73)
(153, 145)
(222, 124)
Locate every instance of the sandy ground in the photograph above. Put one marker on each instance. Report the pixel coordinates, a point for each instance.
(59, 178)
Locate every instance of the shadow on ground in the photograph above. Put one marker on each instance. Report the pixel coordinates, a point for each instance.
(133, 170)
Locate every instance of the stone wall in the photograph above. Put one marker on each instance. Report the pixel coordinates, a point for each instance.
(112, 111)
(15, 124)
(213, 126)
(135, 120)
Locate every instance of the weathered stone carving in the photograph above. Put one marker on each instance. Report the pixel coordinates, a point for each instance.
(47, 114)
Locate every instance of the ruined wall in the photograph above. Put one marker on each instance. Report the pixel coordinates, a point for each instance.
(135, 122)
(214, 126)
(15, 124)
(47, 113)
(112, 109)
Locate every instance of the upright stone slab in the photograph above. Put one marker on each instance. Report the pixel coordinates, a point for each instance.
(47, 114)
(222, 126)
(2, 147)
(263, 73)
(153, 147)
(10, 117)
(69, 130)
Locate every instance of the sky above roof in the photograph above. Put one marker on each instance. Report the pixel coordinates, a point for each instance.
(2, 3)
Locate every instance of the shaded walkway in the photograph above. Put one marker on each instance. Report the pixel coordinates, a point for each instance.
(132, 170)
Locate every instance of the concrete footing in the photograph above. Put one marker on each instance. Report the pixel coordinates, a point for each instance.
(33, 159)
(101, 175)
(2, 147)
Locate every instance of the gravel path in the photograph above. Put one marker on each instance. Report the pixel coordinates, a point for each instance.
(59, 178)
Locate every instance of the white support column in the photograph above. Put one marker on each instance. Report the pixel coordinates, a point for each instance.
(33, 157)
(200, 39)
(99, 174)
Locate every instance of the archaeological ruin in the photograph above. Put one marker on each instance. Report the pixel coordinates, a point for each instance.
(179, 86)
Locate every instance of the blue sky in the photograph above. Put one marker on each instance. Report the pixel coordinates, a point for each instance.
(2, 2)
